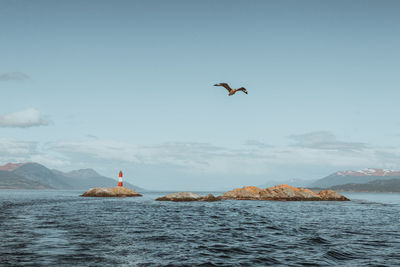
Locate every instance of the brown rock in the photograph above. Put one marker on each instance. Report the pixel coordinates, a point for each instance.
(245, 193)
(111, 192)
(282, 193)
(330, 195)
(181, 196)
(289, 193)
(211, 198)
(187, 196)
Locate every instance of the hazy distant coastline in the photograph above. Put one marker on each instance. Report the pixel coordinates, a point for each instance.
(36, 176)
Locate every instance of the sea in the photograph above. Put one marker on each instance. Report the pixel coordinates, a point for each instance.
(60, 228)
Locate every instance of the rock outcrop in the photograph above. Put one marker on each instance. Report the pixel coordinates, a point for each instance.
(283, 193)
(245, 193)
(187, 196)
(211, 198)
(117, 191)
(332, 196)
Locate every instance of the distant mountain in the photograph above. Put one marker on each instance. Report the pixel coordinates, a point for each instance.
(39, 173)
(82, 173)
(391, 185)
(37, 176)
(88, 178)
(355, 177)
(9, 180)
(10, 166)
(370, 172)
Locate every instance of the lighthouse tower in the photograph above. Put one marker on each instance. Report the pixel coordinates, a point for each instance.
(120, 179)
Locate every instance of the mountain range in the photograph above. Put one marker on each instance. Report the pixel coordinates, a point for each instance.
(390, 185)
(36, 176)
(355, 177)
(366, 180)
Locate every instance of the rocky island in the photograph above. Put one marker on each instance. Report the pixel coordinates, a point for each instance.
(282, 193)
(188, 196)
(117, 191)
(278, 193)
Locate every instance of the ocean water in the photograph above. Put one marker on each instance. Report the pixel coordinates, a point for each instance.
(59, 228)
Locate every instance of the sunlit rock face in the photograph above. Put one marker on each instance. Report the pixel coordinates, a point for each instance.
(118, 191)
(286, 192)
(282, 192)
(332, 195)
(245, 193)
(187, 196)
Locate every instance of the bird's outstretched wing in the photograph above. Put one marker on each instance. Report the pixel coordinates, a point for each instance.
(224, 85)
(243, 89)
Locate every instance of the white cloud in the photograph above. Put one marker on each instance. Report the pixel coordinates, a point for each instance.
(21, 119)
(324, 140)
(12, 147)
(12, 150)
(14, 76)
(207, 158)
(179, 154)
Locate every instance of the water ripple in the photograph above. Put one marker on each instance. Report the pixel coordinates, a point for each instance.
(61, 229)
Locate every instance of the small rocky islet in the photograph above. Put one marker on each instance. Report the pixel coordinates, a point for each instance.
(282, 192)
(276, 193)
(188, 196)
(118, 191)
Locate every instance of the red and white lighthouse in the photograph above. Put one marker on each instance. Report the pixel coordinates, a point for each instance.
(120, 179)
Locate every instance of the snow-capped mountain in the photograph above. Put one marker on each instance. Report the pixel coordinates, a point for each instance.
(369, 172)
(356, 177)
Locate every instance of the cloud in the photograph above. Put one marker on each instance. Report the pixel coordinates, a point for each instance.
(12, 147)
(12, 150)
(207, 158)
(13, 76)
(325, 140)
(256, 144)
(22, 119)
(184, 157)
(174, 153)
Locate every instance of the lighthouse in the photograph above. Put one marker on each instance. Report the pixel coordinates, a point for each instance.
(120, 179)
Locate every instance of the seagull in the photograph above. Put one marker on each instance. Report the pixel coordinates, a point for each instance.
(230, 90)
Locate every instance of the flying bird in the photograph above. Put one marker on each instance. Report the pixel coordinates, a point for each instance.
(230, 90)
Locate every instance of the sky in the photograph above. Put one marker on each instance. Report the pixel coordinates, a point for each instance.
(128, 85)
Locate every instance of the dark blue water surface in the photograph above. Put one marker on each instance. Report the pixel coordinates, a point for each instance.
(59, 228)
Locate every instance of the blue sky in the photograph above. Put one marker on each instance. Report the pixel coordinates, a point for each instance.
(128, 85)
